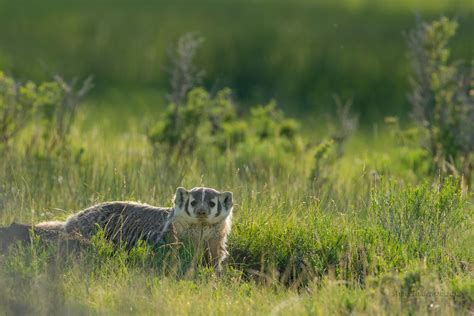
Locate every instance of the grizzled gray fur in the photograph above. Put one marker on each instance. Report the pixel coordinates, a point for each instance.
(203, 215)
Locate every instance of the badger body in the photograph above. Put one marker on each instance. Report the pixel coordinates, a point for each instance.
(122, 222)
(201, 215)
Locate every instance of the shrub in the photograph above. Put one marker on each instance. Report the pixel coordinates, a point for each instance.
(195, 122)
(442, 98)
(57, 117)
(346, 123)
(330, 150)
(184, 74)
(203, 124)
(20, 102)
(410, 155)
(423, 219)
(50, 106)
(405, 225)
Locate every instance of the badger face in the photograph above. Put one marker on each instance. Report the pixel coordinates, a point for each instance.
(202, 205)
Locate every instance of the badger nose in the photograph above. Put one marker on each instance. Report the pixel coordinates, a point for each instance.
(201, 212)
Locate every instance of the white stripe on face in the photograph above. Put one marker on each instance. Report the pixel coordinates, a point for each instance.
(203, 193)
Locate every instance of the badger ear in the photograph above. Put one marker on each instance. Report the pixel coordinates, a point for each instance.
(226, 199)
(180, 197)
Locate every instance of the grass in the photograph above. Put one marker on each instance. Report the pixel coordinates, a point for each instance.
(376, 237)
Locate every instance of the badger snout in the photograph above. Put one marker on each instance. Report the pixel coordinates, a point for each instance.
(201, 212)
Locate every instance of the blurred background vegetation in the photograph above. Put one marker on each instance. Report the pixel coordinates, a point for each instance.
(299, 52)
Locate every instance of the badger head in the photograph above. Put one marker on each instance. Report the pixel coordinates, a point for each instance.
(202, 205)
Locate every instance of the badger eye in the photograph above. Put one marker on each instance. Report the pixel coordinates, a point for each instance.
(193, 203)
(212, 204)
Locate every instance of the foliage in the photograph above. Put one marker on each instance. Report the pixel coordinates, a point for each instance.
(205, 123)
(20, 102)
(50, 107)
(405, 214)
(269, 143)
(185, 127)
(442, 99)
(57, 118)
(411, 154)
(184, 74)
(330, 150)
(346, 123)
(403, 225)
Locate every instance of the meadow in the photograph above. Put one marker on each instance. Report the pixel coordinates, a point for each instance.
(356, 243)
(330, 216)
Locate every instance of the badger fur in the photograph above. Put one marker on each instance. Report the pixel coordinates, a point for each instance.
(48, 235)
(202, 215)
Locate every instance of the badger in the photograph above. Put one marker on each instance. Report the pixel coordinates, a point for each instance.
(202, 215)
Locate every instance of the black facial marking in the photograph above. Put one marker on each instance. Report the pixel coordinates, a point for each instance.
(219, 208)
(186, 208)
(181, 200)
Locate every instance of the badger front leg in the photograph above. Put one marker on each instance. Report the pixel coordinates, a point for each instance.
(214, 254)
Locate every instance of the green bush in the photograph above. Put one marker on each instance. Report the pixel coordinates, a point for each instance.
(405, 225)
(194, 123)
(422, 219)
(204, 124)
(330, 150)
(19, 103)
(442, 99)
(49, 108)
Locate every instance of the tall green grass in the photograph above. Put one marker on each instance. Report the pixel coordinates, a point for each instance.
(374, 238)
